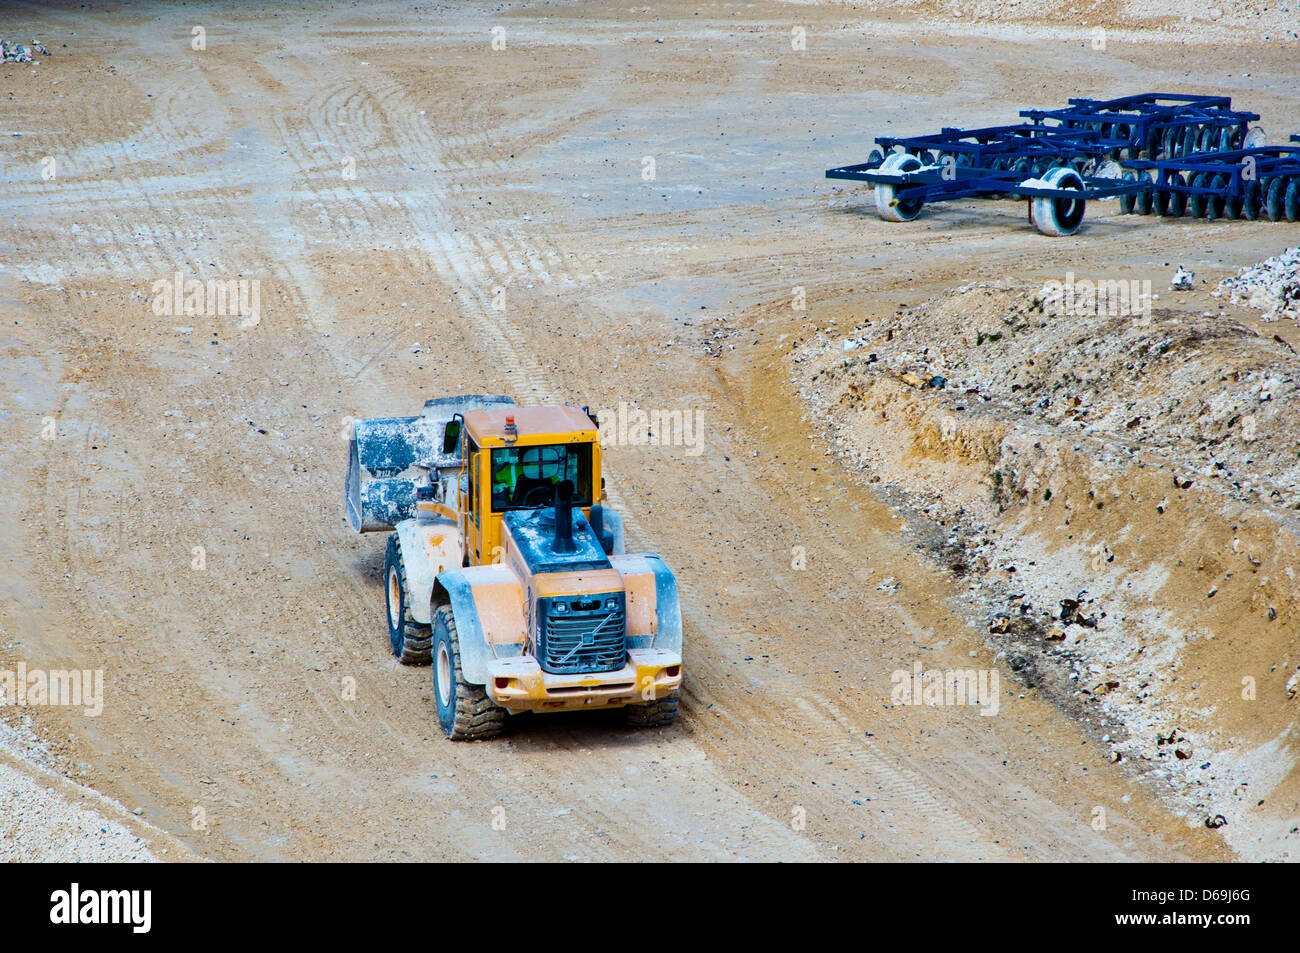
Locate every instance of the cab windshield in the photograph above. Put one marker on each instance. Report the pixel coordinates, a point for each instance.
(526, 477)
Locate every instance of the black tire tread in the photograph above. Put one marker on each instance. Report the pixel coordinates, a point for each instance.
(657, 714)
(477, 716)
(417, 638)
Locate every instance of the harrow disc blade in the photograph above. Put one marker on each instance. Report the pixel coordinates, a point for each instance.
(1255, 137)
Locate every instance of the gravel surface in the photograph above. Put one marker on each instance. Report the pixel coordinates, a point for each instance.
(40, 823)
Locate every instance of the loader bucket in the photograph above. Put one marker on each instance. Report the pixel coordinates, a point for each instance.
(390, 457)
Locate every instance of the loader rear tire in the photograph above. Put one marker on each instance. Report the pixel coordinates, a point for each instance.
(465, 711)
(657, 714)
(410, 640)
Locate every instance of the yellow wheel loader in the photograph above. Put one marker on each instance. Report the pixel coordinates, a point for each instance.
(505, 569)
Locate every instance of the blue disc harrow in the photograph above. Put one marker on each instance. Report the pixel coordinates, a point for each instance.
(1157, 152)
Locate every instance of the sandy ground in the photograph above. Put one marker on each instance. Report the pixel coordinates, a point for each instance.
(390, 180)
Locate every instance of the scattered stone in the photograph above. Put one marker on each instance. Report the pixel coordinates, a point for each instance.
(1182, 280)
(1070, 612)
(18, 53)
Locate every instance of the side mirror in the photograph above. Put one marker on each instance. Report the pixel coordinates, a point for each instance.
(451, 436)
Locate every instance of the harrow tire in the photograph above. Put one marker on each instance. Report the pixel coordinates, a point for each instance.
(1292, 203)
(1058, 217)
(465, 711)
(886, 206)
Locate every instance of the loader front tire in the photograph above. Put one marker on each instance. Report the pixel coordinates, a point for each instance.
(409, 639)
(465, 711)
(657, 714)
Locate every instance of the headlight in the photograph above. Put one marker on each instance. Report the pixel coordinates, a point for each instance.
(559, 608)
(611, 603)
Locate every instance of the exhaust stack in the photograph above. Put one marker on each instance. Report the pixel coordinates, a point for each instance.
(563, 542)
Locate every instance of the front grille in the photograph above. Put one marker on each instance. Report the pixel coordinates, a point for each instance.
(583, 641)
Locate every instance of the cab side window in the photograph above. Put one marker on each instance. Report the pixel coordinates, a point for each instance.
(472, 463)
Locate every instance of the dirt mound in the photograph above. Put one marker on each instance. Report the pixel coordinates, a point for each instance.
(1114, 485)
(1196, 390)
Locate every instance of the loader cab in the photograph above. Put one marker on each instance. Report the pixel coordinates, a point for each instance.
(514, 458)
